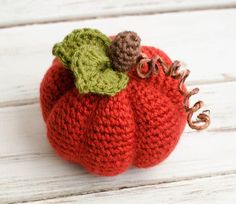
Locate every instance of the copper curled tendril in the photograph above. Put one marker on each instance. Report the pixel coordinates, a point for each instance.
(140, 65)
(203, 119)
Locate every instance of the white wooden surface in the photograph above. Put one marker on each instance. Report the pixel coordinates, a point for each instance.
(15, 13)
(202, 169)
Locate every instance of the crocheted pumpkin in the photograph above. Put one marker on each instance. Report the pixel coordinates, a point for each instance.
(109, 104)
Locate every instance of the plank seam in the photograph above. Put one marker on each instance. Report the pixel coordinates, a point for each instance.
(135, 13)
(218, 174)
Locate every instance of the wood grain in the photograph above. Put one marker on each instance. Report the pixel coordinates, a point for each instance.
(45, 176)
(218, 190)
(15, 13)
(30, 170)
(202, 169)
(204, 46)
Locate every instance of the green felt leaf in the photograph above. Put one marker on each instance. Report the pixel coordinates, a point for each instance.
(66, 49)
(93, 72)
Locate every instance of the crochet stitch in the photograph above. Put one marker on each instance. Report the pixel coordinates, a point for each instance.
(66, 49)
(84, 52)
(124, 50)
(92, 70)
(139, 125)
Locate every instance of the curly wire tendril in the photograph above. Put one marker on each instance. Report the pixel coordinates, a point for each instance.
(203, 119)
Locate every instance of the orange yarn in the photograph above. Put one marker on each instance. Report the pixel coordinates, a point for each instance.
(138, 126)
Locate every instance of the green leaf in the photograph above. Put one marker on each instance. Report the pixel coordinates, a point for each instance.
(83, 51)
(67, 48)
(93, 72)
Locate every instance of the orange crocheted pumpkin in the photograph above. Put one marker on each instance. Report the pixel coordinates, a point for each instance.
(134, 116)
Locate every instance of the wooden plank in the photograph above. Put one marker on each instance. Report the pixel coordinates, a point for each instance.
(25, 12)
(39, 177)
(218, 190)
(204, 45)
(31, 171)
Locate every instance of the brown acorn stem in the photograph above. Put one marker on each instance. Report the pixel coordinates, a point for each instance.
(124, 50)
(203, 119)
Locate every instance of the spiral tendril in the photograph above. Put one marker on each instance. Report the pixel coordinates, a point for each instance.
(203, 119)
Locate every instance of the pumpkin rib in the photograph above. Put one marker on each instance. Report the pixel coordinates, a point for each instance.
(56, 82)
(155, 116)
(67, 124)
(166, 84)
(155, 85)
(109, 144)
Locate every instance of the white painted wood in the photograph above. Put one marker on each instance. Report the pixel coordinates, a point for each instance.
(22, 12)
(217, 190)
(44, 176)
(29, 169)
(205, 40)
(202, 169)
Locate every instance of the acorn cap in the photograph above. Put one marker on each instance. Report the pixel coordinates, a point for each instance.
(124, 50)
